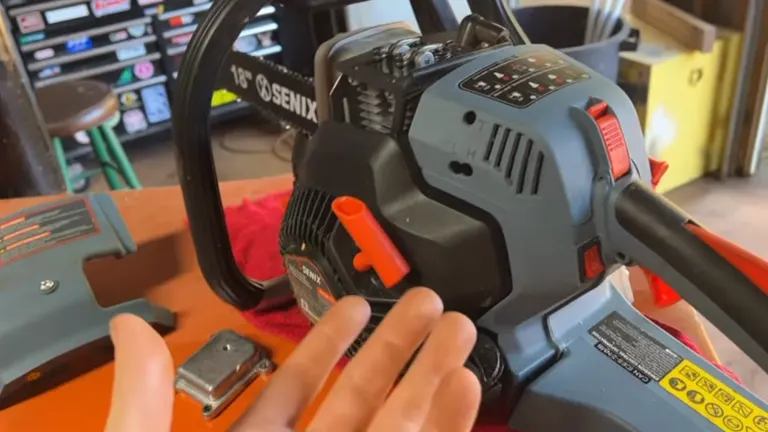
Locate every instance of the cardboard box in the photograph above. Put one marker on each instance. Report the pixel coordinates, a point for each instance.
(683, 99)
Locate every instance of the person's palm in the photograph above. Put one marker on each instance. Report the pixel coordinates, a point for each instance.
(436, 394)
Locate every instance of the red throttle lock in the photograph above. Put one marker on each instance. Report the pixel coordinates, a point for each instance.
(613, 138)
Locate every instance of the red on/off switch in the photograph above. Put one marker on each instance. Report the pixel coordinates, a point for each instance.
(613, 137)
(593, 262)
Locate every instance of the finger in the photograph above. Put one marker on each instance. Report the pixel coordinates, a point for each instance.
(297, 381)
(364, 384)
(446, 350)
(456, 402)
(142, 391)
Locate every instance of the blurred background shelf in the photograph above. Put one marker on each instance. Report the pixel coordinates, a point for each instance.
(135, 46)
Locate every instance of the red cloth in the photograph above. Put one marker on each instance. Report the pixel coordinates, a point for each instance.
(253, 231)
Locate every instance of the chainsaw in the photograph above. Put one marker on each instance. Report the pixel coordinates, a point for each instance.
(507, 177)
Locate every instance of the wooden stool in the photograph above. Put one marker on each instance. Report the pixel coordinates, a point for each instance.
(73, 106)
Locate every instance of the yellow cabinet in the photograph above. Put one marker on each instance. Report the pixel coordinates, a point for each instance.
(683, 99)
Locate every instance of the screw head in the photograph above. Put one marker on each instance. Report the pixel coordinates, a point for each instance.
(48, 286)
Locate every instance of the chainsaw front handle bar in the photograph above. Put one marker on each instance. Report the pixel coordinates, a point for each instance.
(722, 281)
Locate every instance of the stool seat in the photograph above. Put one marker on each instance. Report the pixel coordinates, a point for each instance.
(70, 107)
(74, 106)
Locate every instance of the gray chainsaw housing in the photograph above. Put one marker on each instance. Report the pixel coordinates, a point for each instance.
(556, 174)
(47, 338)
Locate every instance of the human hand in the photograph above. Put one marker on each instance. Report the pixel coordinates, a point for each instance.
(436, 393)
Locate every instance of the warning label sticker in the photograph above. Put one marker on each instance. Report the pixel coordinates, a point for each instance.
(716, 401)
(633, 349)
(310, 287)
(24, 235)
(648, 360)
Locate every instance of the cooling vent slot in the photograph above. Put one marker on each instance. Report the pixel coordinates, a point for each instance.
(516, 156)
(377, 109)
(308, 219)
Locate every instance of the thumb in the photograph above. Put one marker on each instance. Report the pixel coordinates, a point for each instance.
(142, 391)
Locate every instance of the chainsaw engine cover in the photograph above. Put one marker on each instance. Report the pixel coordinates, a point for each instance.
(450, 246)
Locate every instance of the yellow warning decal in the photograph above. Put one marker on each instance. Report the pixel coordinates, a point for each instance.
(713, 399)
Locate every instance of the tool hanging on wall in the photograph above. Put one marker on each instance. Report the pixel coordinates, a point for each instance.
(510, 179)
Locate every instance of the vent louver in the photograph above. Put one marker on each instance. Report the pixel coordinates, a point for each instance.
(517, 157)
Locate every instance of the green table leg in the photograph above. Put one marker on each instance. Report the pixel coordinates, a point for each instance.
(102, 154)
(116, 148)
(58, 148)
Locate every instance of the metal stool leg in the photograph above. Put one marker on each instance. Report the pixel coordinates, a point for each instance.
(123, 163)
(102, 154)
(58, 148)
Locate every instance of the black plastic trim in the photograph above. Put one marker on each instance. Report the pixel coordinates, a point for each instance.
(206, 54)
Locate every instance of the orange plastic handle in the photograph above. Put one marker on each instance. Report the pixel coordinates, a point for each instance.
(753, 267)
(376, 248)
(663, 294)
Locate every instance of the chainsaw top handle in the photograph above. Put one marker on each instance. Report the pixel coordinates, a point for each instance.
(205, 55)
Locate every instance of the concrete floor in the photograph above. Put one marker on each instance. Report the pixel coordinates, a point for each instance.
(736, 209)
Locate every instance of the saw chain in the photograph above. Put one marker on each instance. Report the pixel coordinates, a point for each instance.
(276, 92)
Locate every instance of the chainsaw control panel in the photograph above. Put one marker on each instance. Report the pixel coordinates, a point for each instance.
(522, 80)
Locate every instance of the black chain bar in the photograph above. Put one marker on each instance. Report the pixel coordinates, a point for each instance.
(274, 90)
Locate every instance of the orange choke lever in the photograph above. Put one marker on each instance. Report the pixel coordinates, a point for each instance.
(376, 248)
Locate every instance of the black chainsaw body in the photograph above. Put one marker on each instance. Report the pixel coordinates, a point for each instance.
(453, 247)
(449, 245)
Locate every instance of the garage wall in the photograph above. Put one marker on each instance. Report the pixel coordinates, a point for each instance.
(375, 12)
